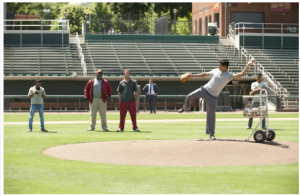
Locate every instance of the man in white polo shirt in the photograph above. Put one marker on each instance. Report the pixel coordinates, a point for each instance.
(37, 95)
(211, 90)
(255, 90)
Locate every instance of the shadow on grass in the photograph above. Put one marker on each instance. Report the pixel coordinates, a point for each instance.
(124, 132)
(272, 143)
(49, 132)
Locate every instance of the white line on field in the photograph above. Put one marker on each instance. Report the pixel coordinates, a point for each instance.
(149, 121)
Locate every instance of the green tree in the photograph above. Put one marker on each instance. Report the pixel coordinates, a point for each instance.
(136, 10)
(183, 9)
(76, 16)
(36, 9)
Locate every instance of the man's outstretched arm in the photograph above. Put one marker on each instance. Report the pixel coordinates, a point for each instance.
(239, 75)
(199, 75)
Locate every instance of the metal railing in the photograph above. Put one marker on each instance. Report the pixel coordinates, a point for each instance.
(81, 56)
(265, 29)
(10, 102)
(36, 26)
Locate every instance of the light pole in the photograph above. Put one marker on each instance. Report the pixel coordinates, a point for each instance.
(67, 15)
(175, 11)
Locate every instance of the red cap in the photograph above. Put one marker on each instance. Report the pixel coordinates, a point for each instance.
(98, 70)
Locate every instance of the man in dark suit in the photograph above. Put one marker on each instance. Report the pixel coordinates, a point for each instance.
(151, 91)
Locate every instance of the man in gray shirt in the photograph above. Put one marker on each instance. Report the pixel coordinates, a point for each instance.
(211, 90)
(37, 95)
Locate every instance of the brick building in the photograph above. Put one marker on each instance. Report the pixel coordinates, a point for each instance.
(204, 13)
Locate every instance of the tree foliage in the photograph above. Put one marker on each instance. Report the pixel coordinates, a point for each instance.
(183, 9)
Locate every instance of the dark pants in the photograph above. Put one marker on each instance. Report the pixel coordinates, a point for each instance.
(151, 101)
(131, 107)
(251, 120)
(211, 105)
(255, 104)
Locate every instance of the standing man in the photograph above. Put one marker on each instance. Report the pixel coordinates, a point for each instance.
(138, 98)
(210, 92)
(37, 95)
(151, 91)
(97, 92)
(255, 89)
(127, 94)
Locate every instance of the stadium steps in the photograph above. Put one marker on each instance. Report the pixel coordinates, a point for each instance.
(39, 61)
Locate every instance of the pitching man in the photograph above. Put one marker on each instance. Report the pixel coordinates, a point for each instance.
(210, 92)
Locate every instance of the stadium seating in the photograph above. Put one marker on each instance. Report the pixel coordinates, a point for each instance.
(42, 61)
(161, 59)
(282, 64)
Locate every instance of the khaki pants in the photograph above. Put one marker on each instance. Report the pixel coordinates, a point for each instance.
(98, 105)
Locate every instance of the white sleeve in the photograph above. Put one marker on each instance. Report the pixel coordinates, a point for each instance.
(265, 85)
(212, 72)
(30, 91)
(253, 86)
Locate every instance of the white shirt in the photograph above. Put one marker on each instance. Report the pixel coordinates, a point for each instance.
(255, 86)
(218, 81)
(37, 98)
(151, 90)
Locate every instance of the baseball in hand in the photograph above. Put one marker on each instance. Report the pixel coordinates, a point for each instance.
(252, 60)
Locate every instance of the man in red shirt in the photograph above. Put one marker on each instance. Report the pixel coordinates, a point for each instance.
(97, 92)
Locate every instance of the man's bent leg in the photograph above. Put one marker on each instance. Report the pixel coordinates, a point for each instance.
(200, 92)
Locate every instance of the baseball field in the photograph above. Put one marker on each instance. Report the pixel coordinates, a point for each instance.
(153, 161)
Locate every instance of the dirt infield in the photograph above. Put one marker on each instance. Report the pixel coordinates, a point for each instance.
(199, 153)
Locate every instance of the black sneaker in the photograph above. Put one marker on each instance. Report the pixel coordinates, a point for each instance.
(106, 130)
(44, 130)
(180, 110)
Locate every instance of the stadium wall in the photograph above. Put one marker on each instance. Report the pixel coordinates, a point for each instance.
(65, 87)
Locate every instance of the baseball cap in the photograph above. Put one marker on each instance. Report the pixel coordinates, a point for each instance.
(38, 80)
(99, 71)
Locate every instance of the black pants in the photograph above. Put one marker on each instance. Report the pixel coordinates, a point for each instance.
(151, 101)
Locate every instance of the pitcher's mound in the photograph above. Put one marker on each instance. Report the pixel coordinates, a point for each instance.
(180, 152)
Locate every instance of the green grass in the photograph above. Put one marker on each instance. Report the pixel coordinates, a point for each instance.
(14, 117)
(28, 171)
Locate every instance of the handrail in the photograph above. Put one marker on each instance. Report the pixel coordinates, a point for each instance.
(36, 25)
(278, 87)
(81, 56)
(238, 27)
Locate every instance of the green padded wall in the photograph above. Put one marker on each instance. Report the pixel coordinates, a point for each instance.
(34, 39)
(270, 42)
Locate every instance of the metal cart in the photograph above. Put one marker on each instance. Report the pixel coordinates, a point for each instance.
(257, 107)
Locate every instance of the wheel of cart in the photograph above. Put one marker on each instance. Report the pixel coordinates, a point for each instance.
(256, 106)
